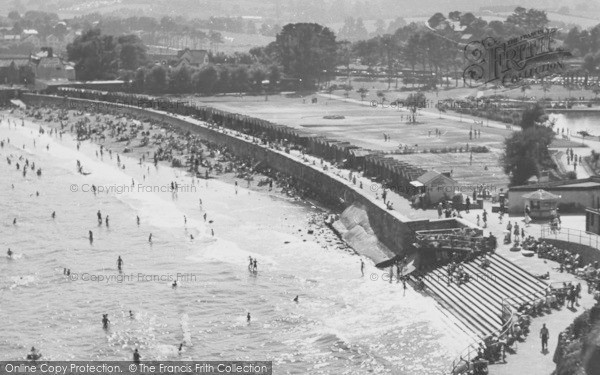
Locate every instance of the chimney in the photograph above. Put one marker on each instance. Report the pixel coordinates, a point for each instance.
(48, 51)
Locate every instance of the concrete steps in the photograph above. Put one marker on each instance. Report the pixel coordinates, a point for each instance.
(477, 304)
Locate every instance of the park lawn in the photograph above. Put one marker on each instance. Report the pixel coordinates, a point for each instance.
(364, 126)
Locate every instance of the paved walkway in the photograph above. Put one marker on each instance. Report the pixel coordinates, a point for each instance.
(580, 170)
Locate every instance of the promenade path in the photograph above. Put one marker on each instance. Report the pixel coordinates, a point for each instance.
(561, 158)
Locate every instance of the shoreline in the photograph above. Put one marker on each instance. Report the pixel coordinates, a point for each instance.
(282, 188)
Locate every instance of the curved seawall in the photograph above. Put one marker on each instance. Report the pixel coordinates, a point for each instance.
(392, 228)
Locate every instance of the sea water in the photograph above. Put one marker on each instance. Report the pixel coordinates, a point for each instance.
(343, 323)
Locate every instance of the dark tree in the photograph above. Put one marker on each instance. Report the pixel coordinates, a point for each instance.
(306, 50)
(205, 80)
(526, 153)
(223, 85)
(532, 115)
(94, 56)
(180, 80)
(132, 52)
(436, 20)
(156, 79)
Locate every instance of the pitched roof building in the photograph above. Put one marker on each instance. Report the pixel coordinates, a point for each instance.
(16, 69)
(196, 57)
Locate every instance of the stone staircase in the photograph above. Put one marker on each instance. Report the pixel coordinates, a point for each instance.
(477, 304)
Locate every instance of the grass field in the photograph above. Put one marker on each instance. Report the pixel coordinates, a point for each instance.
(364, 126)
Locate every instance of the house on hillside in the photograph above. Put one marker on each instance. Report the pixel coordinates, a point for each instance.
(53, 42)
(11, 38)
(196, 57)
(33, 39)
(49, 67)
(28, 32)
(16, 70)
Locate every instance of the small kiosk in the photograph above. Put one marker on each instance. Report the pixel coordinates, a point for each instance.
(542, 204)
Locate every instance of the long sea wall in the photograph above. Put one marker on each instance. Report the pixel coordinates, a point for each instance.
(393, 229)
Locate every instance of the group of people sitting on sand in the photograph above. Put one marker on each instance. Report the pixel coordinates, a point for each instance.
(178, 147)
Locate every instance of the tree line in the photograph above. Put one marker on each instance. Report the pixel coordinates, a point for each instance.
(206, 80)
(310, 52)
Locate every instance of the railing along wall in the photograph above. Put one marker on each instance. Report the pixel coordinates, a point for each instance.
(571, 235)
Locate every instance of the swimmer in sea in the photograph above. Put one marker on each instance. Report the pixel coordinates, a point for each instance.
(33, 354)
(9, 253)
(212, 231)
(150, 238)
(137, 218)
(174, 285)
(250, 265)
(296, 299)
(191, 236)
(362, 267)
(15, 221)
(106, 220)
(131, 314)
(136, 356)
(255, 266)
(99, 217)
(119, 263)
(204, 216)
(180, 348)
(91, 236)
(248, 318)
(184, 219)
(105, 321)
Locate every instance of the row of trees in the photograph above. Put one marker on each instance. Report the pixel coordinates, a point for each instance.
(437, 46)
(310, 52)
(207, 80)
(354, 29)
(304, 51)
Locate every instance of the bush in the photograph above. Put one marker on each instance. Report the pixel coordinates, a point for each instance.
(480, 149)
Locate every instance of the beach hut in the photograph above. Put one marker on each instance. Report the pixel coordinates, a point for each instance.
(434, 186)
(541, 203)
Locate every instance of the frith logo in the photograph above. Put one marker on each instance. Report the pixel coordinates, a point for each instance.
(532, 55)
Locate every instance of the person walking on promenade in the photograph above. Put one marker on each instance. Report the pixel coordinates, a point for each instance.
(362, 267)
(467, 204)
(544, 333)
(484, 218)
(440, 210)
